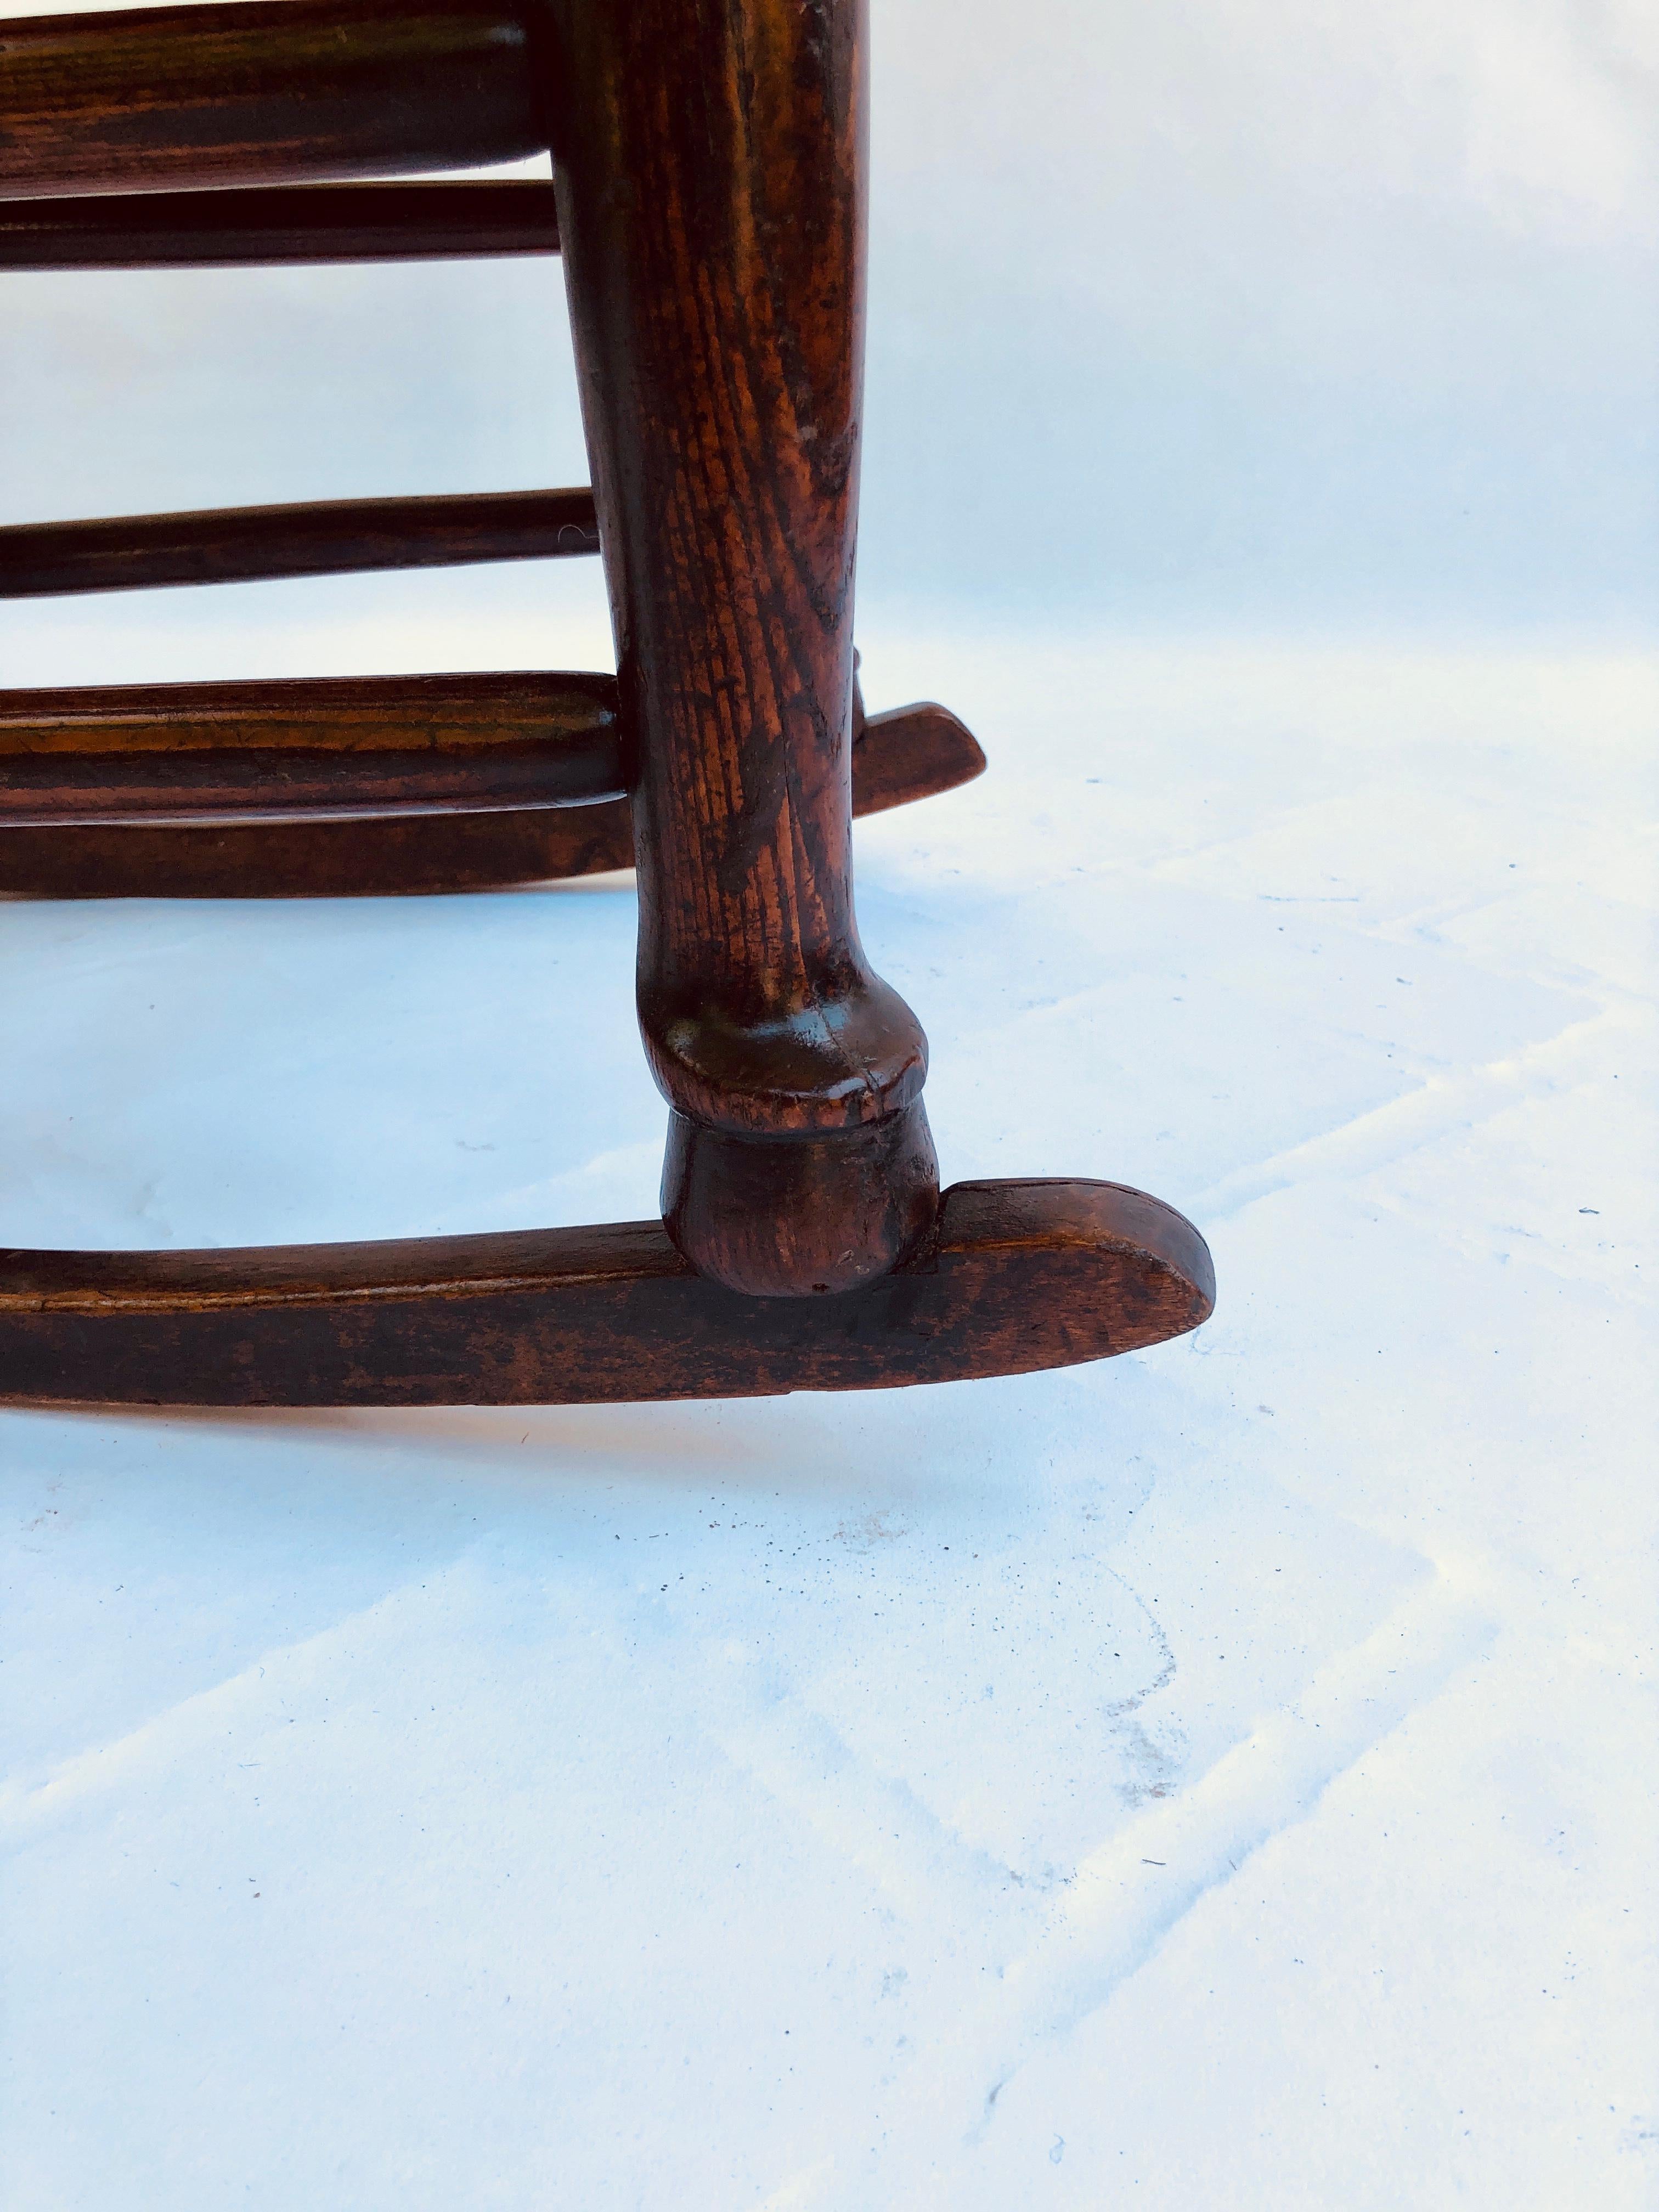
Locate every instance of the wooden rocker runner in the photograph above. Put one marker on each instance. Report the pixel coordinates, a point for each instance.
(709, 176)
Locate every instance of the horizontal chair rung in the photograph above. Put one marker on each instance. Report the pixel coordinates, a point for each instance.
(328, 538)
(263, 91)
(283, 224)
(1017, 1276)
(334, 746)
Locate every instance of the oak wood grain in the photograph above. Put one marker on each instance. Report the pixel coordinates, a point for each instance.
(322, 537)
(262, 92)
(335, 745)
(1014, 1277)
(710, 167)
(274, 225)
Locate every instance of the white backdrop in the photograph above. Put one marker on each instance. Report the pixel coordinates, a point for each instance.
(1231, 312)
(1218, 1778)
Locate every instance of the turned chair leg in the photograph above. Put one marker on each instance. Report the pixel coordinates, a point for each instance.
(710, 168)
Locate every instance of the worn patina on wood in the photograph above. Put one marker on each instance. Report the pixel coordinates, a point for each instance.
(710, 179)
(264, 92)
(280, 224)
(903, 755)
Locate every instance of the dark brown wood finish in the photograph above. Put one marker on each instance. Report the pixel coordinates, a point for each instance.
(1017, 1276)
(910, 752)
(710, 168)
(339, 745)
(263, 91)
(326, 538)
(280, 224)
(709, 185)
(368, 856)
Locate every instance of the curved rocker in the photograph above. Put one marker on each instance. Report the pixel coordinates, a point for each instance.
(317, 537)
(1017, 1276)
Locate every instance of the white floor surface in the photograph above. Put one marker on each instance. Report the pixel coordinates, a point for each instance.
(1220, 1777)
